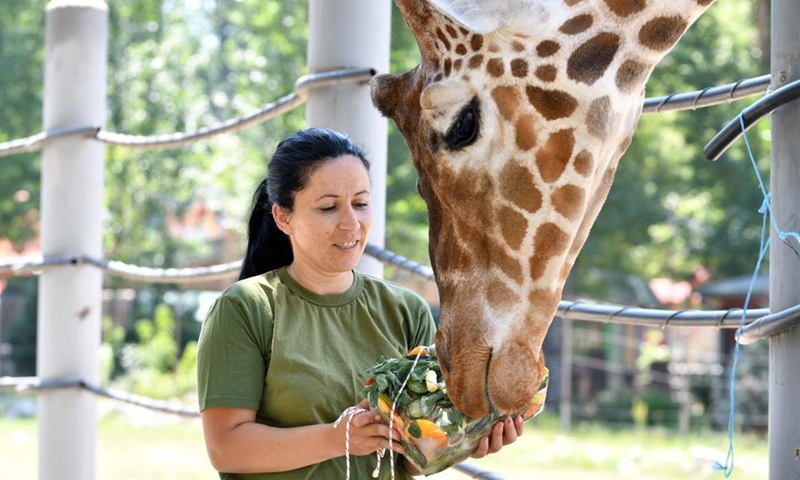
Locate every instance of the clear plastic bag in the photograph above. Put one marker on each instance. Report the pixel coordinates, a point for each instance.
(433, 432)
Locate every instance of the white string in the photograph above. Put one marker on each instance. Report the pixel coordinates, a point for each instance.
(351, 412)
(394, 405)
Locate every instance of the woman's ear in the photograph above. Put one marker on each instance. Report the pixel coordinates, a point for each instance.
(282, 219)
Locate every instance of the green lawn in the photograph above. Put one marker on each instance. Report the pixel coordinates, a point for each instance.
(148, 446)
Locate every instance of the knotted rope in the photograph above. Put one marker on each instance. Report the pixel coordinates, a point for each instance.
(351, 412)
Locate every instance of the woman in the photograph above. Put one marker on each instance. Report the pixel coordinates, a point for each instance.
(284, 351)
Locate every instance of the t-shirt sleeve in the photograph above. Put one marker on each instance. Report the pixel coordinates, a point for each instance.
(231, 356)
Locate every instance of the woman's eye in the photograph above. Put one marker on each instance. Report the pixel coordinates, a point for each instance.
(464, 131)
(361, 205)
(327, 209)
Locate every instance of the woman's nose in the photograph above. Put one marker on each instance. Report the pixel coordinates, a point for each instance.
(349, 219)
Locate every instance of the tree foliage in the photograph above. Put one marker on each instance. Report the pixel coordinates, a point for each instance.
(177, 66)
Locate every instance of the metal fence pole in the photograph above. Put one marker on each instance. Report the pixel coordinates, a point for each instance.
(353, 34)
(784, 284)
(68, 344)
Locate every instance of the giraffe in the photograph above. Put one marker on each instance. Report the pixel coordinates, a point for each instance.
(516, 118)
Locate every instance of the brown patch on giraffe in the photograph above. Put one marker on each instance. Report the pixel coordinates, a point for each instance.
(705, 3)
(572, 3)
(517, 46)
(443, 38)
(476, 42)
(546, 73)
(599, 117)
(461, 49)
(583, 162)
(497, 293)
(549, 241)
(507, 101)
(438, 77)
(564, 273)
(526, 135)
(448, 67)
(589, 61)
(517, 186)
(576, 24)
(475, 61)
(552, 104)
(458, 64)
(495, 67)
(631, 74)
(624, 8)
(553, 157)
(661, 33)
(513, 226)
(451, 31)
(505, 262)
(544, 300)
(624, 145)
(519, 68)
(547, 48)
(568, 200)
(463, 31)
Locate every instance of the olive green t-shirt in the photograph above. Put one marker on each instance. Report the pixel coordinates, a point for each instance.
(299, 358)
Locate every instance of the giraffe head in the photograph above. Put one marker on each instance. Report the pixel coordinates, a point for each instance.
(516, 118)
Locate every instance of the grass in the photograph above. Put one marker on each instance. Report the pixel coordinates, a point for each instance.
(144, 445)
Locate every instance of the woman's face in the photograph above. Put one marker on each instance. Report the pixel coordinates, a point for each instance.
(332, 217)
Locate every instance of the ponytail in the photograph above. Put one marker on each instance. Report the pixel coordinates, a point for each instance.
(268, 248)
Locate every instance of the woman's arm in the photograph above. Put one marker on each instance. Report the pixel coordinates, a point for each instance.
(237, 444)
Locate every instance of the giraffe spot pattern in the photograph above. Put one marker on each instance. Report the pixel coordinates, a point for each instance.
(461, 49)
(624, 8)
(553, 157)
(589, 61)
(452, 32)
(661, 33)
(458, 64)
(549, 241)
(495, 67)
(526, 135)
(448, 67)
(583, 162)
(499, 295)
(519, 68)
(546, 73)
(577, 24)
(547, 48)
(705, 3)
(552, 104)
(463, 31)
(475, 61)
(544, 300)
(493, 47)
(507, 101)
(517, 46)
(572, 3)
(476, 42)
(630, 76)
(517, 186)
(599, 117)
(513, 226)
(568, 200)
(442, 38)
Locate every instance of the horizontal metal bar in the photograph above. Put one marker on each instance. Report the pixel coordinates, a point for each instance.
(476, 472)
(770, 325)
(749, 116)
(707, 96)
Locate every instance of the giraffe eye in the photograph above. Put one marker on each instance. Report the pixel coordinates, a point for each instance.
(464, 131)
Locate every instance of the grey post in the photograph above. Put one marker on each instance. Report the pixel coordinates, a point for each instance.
(784, 292)
(68, 324)
(353, 34)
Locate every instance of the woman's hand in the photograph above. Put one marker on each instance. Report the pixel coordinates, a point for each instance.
(367, 433)
(504, 432)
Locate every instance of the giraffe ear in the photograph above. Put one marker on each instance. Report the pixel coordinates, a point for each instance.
(481, 16)
(389, 91)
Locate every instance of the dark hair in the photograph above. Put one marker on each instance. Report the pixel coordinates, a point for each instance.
(291, 165)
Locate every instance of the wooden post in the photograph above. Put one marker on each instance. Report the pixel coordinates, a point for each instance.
(784, 281)
(68, 344)
(353, 34)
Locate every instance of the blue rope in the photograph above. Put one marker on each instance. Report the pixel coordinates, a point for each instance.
(766, 211)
